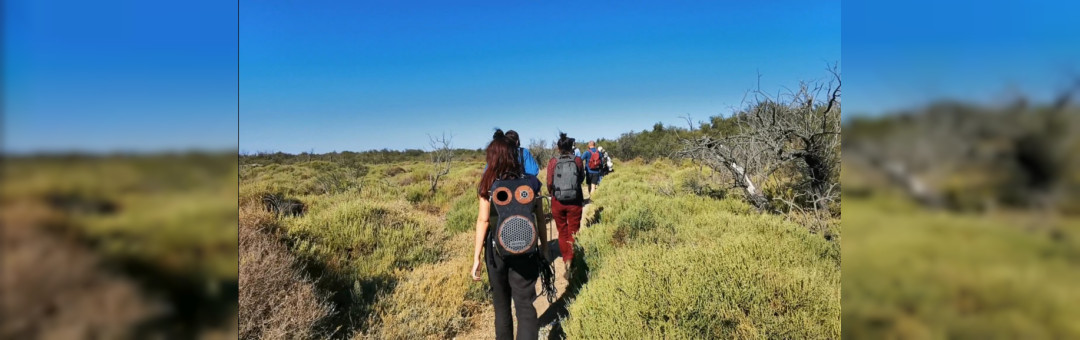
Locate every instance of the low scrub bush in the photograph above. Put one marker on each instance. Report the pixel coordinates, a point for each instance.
(434, 300)
(735, 289)
(701, 182)
(930, 274)
(416, 193)
(690, 266)
(462, 215)
(367, 238)
(276, 300)
(307, 178)
(639, 220)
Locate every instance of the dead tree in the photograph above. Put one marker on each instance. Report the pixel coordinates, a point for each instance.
(542, 151)
(1022, 150)
(442, 155)
(741, 161)
(799, 130)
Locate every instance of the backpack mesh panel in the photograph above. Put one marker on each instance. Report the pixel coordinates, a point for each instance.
(517, 234)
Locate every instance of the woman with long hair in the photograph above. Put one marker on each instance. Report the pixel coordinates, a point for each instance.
(564, 175)
(514, 276)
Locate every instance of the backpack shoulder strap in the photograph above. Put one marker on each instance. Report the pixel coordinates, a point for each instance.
(521, 159)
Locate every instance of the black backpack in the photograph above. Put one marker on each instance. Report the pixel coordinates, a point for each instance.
(566, 180)
(515, 232)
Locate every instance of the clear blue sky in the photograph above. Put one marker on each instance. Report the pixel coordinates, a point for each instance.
(358, 75)
(128, 75)
(904, 54)
(132, 75)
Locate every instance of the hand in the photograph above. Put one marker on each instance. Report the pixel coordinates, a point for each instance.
(475, 270)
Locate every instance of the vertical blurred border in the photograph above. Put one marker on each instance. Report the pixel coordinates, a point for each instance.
(119, 170)
(961, 182)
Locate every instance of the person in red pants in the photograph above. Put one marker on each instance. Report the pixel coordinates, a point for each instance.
(565, 173)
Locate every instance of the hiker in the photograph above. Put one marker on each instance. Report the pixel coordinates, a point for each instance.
(593, 162)
(508, 238)
(605, 167)
(522, 155)
(564, 175)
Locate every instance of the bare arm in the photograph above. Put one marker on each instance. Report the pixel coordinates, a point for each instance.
(541, 224)
(482, 217)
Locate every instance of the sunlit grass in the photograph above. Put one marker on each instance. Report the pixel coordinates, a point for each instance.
(667, 262)
(915, 273)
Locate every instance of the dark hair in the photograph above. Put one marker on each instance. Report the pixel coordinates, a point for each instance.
(566, 144)
(512, 136)
(501, 163)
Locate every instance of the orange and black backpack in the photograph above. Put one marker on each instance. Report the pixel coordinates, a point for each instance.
(516, 233)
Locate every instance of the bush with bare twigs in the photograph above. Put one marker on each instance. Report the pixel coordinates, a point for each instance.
(798, 131)
(276, 300)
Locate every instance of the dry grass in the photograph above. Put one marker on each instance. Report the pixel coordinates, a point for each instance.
(433, 300)
(119, 246)
(276, 300)
(53, 287)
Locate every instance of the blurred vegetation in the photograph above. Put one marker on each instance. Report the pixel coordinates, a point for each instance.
(971, 158)
(961, 223)
(912, 273)
(165, 221)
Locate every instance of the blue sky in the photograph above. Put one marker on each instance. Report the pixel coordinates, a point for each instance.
(353, 75)
(904, 54)
(105, 76)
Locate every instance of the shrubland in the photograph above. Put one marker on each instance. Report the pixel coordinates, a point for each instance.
(378, 245)
(392, 257)
(682, 264)
(960, 222)
(159, 229)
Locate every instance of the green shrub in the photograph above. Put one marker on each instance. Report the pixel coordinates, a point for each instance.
(917, 273)
(433, 300)
(306, 178)
(416, 194)
(462, 215)
(699, 182)
(735, 289)
(368, 238)
(639, 220)
(685, 265)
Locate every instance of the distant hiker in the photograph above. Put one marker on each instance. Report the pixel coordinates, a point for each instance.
(593, 163)
(509, 224)
(524, 157)
(605, 167)
(577, 152)
(564, 175)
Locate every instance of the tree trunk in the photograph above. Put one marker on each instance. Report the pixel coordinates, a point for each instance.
(752, 194)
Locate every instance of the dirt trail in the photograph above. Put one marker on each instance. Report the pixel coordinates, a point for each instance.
(548, 313)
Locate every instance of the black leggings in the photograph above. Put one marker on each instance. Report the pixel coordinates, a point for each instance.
(514, 277)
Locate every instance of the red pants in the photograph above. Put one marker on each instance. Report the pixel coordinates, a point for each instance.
(567, 220)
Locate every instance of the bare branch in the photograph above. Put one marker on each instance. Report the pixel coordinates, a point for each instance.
(442, 155)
